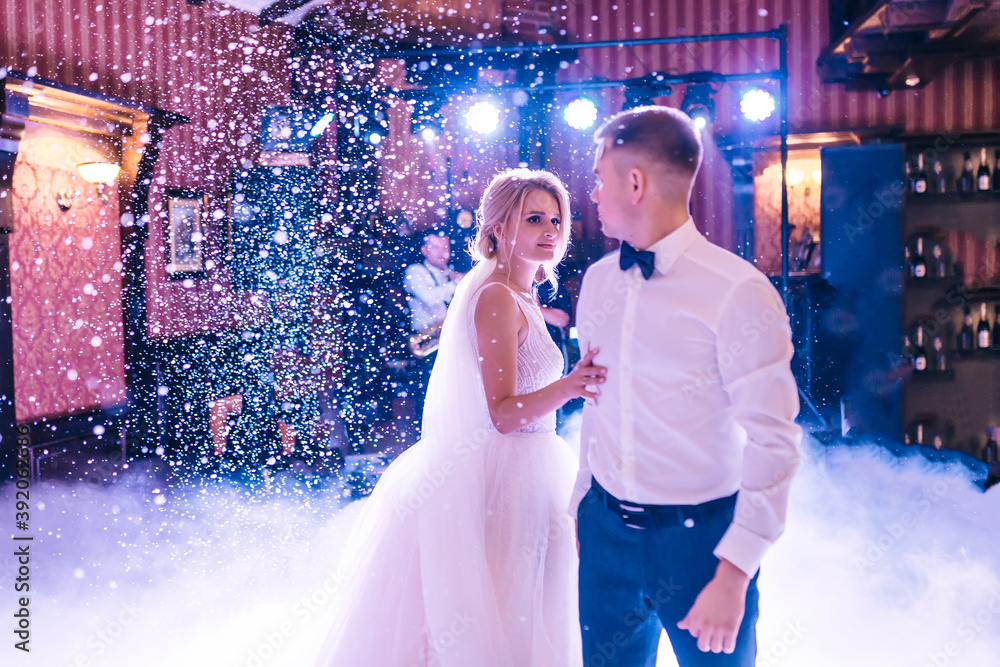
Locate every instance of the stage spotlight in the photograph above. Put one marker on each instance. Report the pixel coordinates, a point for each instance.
(757, 105)
(699, 105)
(425, 119)
(580, 114)
(427, 128)
(483, 117)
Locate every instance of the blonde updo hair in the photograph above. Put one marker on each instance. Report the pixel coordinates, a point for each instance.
(503, 203)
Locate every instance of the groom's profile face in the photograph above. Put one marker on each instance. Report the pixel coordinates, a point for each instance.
(610, 193)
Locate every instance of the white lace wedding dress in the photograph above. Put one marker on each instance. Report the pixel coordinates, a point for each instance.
(464, 555)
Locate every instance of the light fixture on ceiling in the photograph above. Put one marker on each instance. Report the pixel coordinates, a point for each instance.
(483, 117)
(425, 119)
(912, 80)
(757, 105)
(101, 174)
(699, 105)
(581, 113)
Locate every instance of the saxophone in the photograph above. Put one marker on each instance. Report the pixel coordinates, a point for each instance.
(425, 342)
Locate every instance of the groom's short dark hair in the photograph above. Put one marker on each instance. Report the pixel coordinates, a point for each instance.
(662, 134)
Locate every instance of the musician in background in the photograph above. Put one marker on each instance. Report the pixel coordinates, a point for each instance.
(429, 288)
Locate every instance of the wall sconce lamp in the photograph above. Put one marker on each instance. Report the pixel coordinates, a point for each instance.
(101, 174)
(65, 198)
(795, 178)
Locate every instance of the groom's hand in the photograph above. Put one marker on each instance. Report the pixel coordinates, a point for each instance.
(714, 619)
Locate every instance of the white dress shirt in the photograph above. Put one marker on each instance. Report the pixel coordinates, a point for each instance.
(700, 401)
(428, 292)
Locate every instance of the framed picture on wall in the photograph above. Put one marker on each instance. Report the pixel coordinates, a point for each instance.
(186, 233)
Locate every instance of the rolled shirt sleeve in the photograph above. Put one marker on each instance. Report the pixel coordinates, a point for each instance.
(419, 283)
(427, 299)
(754, 350)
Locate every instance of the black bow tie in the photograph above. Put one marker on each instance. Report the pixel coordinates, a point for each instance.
(646, 259)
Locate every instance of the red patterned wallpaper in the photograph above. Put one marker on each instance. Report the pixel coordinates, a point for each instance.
(65, 282)
(209, 62)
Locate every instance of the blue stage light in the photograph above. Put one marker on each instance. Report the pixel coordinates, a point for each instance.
(757, 105)
(580, 114)
(483, 118)
(699, 105)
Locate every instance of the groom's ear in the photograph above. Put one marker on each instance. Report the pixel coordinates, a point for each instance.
(637, 183)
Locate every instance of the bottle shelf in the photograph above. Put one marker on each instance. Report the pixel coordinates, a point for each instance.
(958, 295)
(952, 197)
(934, 376)
(971, 355)
(931, 281)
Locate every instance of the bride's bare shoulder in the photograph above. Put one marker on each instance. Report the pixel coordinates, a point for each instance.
(497, 306)
(494, 299)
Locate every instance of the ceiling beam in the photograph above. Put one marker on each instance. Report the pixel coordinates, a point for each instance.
(275, 11)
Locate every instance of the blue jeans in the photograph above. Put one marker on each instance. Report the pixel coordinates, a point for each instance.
(635, 582)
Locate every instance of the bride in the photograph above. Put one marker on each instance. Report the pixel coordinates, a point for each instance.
(465, 554)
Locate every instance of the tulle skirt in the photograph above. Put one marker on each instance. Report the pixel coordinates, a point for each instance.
(465, 562)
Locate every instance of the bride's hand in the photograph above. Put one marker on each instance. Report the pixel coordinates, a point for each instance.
(583, 374)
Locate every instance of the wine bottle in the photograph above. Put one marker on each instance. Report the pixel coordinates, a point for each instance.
(966, 337)
(940, 356)
(990, 450)
(983, 330)
(920, 179)
(920, 353)
(965, 181)
(919, 262)
(983, 174)
(940, 267)
(920, 433)
(995, 338)
(940, 182)
(910, 177)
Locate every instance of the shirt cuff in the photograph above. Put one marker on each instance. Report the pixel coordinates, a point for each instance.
(742, 548)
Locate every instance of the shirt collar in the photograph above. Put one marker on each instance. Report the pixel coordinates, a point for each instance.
(673, 245)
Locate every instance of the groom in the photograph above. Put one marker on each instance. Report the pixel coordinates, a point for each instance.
(687, 456)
